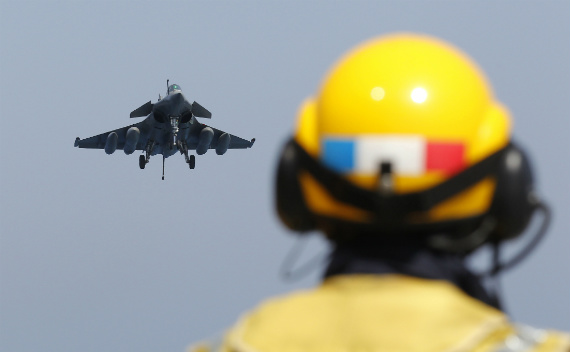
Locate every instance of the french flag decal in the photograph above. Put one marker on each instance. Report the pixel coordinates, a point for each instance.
(409, 155)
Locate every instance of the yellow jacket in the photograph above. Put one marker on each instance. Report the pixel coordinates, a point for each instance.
(383, 313)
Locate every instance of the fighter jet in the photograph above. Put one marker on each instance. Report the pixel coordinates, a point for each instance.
(170, 127)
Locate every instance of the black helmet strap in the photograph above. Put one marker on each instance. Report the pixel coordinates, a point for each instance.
(389, 205)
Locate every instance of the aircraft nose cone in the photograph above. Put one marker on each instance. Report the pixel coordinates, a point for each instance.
(177, 99)
(172, 105)
(178, 104)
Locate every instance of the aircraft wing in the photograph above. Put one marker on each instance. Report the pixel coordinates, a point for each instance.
(235, 141)
(98, 141)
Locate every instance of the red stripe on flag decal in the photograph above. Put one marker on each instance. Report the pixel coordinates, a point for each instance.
(446, 157)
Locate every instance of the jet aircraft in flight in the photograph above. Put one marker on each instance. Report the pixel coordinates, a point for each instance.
(170, 126)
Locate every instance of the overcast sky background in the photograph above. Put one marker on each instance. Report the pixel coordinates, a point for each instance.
(98, 255)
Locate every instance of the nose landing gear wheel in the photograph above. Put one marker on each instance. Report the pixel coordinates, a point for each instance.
(142, 162)
(192, 162)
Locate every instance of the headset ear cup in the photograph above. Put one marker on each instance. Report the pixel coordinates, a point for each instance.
(289, 198)
(514, 201)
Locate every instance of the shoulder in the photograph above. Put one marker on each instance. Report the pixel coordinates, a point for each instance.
(524, 338)
(377, 312)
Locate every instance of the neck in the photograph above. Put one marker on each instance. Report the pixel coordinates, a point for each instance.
(407, 260)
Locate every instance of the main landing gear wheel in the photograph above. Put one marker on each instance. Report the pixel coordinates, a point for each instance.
(142, 162)
(192, 161)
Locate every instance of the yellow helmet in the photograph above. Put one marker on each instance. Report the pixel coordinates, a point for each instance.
(398, 116)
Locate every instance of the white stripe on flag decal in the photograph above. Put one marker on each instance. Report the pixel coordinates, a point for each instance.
(405, 153)
(364, 154)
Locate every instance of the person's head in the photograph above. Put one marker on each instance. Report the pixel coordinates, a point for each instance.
(405, 141)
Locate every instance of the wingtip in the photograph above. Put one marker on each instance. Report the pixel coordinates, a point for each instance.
(76, 144)
(251, 143)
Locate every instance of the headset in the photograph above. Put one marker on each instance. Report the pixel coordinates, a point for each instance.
(513, 204)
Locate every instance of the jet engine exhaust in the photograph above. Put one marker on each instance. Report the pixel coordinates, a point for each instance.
(223, 144)
(111, 144)
(204, 141)
(131, 140)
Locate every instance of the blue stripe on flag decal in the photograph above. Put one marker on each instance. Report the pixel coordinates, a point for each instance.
(338, 154)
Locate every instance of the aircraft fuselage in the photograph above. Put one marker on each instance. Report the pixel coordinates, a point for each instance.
(169, 122)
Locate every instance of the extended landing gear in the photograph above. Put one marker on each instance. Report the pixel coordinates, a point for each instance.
(190, 160)
(144, 159)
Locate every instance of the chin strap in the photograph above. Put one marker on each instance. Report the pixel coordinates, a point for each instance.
(499, 266)
(495, 291)
(502, 266)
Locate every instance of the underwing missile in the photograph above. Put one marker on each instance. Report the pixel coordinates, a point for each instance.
(204, 141)
(223, 143)
(131, 140)
(111, 144)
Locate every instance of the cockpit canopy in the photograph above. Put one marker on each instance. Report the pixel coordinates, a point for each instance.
(174, 88)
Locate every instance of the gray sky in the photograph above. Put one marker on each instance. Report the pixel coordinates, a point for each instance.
(98, 255)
